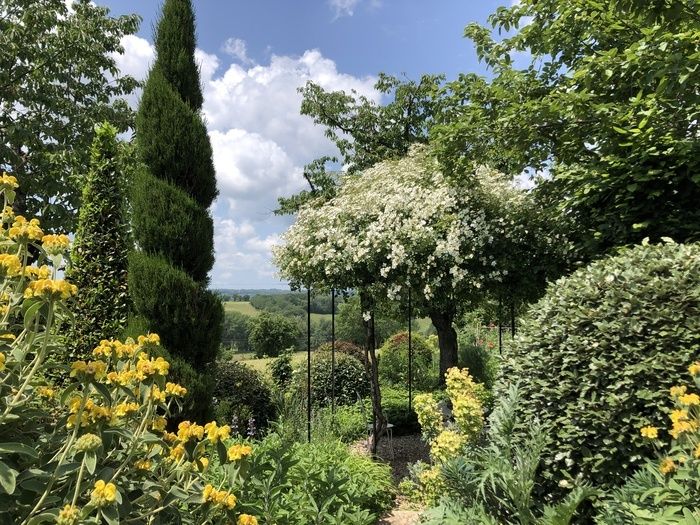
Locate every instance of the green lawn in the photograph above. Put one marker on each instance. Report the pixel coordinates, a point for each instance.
(260, 365)
(243, 307)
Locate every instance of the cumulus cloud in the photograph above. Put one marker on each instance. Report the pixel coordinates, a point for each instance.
(260, 144)
(237, 48)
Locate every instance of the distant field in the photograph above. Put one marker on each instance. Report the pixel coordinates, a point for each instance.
(243, 307)
(260, 365)
(318, 317)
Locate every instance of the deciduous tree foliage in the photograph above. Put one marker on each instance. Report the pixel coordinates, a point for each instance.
(608, 105)
(172, 227)
(58, 77)
(100, 251)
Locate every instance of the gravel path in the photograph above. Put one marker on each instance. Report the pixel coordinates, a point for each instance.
(406, 451)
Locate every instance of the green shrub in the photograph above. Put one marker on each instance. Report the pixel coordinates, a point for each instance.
(269, 334)
(479, 353)
(597, 354)
(393, 362)
(345, 347)
(313, 483)
(281, 369)
(350, 379)
(100, 252)
(241, 395)
(347, 424)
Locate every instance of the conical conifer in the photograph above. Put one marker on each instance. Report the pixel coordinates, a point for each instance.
(172, 227)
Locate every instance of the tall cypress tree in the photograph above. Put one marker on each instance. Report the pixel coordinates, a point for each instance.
(100, 250)
(171, 223)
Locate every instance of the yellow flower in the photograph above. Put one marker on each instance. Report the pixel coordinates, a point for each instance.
(678, 391)
(96, 369)
(650, 432)
(150, 339)
(696, 452)
(679, 415)
(447, 445)
(10, 265)
(667, 466)
(8, 182)
(46, 391)
(177, 452)
(175, 390)
(68, 515)
(680, 427)
(204, 461)
(88, 443)
(247, 519)
(103, 493)
(170, 437)
(2, 361)
(218, 497)
(23, 230)
(8, 215)
(150, 367)
(157, 394)
(41, 272)
(55, 244)
(125, 409)
(215, 433)
(689, 399)
(237, 452)
(143, 464)
(694, 369)
(159, 423)
(187, 431)
(50, 289)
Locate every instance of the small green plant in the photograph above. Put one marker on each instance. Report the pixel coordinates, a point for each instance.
(281, 369)
(351, 379)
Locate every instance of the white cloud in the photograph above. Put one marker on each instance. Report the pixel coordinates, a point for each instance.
(343, 7)
(238, 49)
(260, 144)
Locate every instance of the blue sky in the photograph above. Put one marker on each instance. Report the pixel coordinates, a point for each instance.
(253, 55)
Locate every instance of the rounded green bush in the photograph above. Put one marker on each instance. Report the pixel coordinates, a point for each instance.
(596, 356)
(393, 362)
(240, 394)
(350, 379)
(345, 347)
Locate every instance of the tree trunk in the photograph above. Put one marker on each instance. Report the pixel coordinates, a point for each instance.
(447, 341)
(378, 419)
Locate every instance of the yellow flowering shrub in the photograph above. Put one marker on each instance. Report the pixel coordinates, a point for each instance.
(447, 440)
(94, 448)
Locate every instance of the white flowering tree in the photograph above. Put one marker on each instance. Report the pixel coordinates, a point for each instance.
(401, 225)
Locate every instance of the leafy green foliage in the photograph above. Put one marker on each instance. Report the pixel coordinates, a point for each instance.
(235, 331)
(163, 216)
(172, 227)
(313, 483)
(281, 369)
(100, 251)
(607, 105)
(496, 482)
(596, 355)
(395, 408)
(350, 379)
(393, 362)
(241, 395)
(478, 351)
(58, 77)
(349, 325)
(345, 347)
(189, 317)
(270, 334)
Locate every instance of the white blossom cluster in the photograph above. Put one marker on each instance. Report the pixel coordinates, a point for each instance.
(401, 223)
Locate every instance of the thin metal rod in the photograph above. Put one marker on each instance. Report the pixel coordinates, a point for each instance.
(333, 350)
(500, 316)
(410, 352)
(308, 364)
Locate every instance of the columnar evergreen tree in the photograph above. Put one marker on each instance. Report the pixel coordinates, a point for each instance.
(172, 226)
(100, 251)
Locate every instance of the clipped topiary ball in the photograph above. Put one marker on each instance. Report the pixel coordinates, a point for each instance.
(350, 379)
(393, 362)
(240, 394)
(597, 355)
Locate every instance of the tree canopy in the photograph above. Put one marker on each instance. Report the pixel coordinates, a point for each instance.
(607, 108)
(58, 77)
